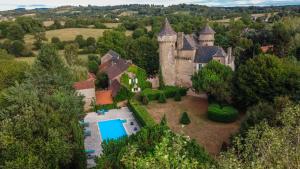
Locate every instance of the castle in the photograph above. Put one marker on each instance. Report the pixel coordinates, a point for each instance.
(182, 55)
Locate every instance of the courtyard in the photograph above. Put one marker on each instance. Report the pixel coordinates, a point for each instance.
(207, 133)
(94, 140)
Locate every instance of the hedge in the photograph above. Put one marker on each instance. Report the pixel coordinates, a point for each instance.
(169, 91)
(225, 114)
(140, 113)
(107, 107)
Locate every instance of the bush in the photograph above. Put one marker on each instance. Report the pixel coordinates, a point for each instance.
(185, 119)
(177, 96)
(225, 114)
(123, 94)
(169, 91)
(93, 66)
(162, 98)
(102, 80)
(140, 113)
(145, 100)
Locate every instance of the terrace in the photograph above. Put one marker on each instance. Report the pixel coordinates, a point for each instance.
(94, 139)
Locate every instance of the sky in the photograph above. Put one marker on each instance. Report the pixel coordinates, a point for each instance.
(29, 4)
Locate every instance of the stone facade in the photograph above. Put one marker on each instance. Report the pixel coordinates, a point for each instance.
(182, 55)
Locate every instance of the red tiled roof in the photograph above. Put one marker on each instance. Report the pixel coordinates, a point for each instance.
(84, 85)
(104, 97)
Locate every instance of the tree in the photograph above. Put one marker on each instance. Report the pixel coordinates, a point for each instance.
(39, 128)
(162, 98)
(168, 150)
(15, 32)
(102, 80)
(17, 47)
(112, 40)
(71, 53)
(56, 41)
(80, 41)
(93, 66)
(216, 80)
(185, 119)
(90, 41)
(265, 77)
(94, 58)
(266, 146)
(163, 120)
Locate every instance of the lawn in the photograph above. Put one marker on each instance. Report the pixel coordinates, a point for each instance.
(207, 133)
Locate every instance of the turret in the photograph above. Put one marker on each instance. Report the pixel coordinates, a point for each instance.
(207, 36)
(167, 50)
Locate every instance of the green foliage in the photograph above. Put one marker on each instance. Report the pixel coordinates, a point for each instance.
(168, 150)
(265, 77)
(15, 32)
(145, 100)
(71, 53)
(169, 91)
(222, 114)
(256, 114)
(80, 41)
(266, 146)
(123, 94)
(216, 80)
(185, 119)
(39, 118)
(112, 40)
(164, 121)
(102, 80)
(162, 98)
(140, 74)
(140, 113)
(93, 66)
(177, 96)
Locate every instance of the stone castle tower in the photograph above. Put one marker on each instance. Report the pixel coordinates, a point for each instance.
(167, 50)
(182, 55)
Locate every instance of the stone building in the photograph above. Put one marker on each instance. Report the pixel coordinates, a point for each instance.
(182, 55)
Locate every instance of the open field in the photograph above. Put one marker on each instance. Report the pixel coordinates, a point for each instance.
(70, 34)
(207, 133)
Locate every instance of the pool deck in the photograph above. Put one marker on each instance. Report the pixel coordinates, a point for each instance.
(94, 141)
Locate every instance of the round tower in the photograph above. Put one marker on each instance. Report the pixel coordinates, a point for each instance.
(207, 36)
(167, 50)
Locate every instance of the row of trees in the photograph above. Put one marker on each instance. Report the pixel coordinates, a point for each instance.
(39, 118)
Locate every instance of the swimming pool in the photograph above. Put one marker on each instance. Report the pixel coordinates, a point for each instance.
(111, 129)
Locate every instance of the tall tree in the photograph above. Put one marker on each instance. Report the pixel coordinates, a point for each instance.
(71, 53)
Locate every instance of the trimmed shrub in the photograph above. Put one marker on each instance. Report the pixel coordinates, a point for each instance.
(145, 100)
(177, 96)
(140, 113)
(185, 119)
(107, 107)
(163, 120)
(123, 94)
(169, 91)
(162, 98)
(225, 114)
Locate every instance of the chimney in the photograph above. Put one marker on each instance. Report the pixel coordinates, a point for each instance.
(180, 40)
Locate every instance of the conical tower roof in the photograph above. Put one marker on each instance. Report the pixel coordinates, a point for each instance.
(207, 30)
(167, 29)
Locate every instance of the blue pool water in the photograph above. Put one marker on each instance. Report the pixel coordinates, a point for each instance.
(111, 129)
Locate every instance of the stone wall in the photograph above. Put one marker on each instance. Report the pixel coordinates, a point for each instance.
(184, 67)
